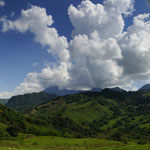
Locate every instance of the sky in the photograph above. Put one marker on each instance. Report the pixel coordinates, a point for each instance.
(73, 44)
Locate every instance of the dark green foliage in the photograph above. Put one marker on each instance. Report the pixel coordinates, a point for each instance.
(27, 101)
(11, 122)
(13, 130)
(9, 117)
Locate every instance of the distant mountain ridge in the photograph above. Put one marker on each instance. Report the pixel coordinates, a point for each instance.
(61, 92)
(96, 90)
(118, 89)
(145, 87)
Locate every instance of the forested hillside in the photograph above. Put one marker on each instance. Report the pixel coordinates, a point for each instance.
(108, 114)
(27, 101)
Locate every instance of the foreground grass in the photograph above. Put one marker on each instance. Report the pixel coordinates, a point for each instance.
(57, 143)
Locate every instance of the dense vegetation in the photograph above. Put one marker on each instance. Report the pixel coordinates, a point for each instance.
(108, 114)
(122, 116)
(27, 101)
(11, 123)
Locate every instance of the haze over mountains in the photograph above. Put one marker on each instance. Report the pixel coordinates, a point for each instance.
(60, 92)
(63, 92)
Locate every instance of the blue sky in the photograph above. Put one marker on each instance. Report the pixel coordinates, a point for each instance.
(20, 54)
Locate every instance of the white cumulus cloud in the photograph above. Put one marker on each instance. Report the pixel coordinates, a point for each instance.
(100, 52)
(135, 47)
(95, 61)
(106, 19)
(36, 20)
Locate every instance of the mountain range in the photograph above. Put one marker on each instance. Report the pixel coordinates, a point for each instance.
(63, 92)
(33, 99)
(108, 114)
(26, 101)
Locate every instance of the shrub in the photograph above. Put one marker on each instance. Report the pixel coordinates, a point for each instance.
(13, 130)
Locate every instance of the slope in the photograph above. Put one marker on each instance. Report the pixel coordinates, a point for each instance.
(27, 101)
(108, 114)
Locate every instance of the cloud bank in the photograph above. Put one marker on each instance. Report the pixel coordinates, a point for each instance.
(100, 52)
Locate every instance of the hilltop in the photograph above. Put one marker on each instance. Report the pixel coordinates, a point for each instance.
(22, 102)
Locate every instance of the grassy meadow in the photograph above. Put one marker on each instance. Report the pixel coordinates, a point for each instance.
(30, 142)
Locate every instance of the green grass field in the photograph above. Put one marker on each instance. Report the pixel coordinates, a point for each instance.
(57, 143)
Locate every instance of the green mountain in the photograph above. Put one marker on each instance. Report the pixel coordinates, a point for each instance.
(27, 101)
(107, 114)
